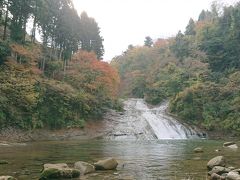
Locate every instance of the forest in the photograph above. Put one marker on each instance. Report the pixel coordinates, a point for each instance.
(52, 76)
(197, 70)
(59, 80)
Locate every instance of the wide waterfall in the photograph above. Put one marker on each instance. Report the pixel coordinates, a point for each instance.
(139, 121)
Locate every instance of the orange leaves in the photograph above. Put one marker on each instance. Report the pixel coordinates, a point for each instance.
(84, 56)
(16, 48)
(27, 55)
(94, 76)
(161, 43)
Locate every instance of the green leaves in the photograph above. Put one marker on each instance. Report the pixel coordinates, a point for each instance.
(4, 51)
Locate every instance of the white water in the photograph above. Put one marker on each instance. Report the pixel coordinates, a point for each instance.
(163, 125)
(139, 121)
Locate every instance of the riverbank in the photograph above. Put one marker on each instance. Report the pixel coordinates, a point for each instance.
(93, 129)
(17, 135)
(139, 121)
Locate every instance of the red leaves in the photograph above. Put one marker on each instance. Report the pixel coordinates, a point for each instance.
(95, 76)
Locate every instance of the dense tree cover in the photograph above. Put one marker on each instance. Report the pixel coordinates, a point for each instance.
(198, 70)
(29, 100)
(59, 82)
(63, 31)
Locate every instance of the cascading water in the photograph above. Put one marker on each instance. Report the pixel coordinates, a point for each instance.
(141, 122)
(163, 125)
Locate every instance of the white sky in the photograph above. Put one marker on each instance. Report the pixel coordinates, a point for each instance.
(125, 22)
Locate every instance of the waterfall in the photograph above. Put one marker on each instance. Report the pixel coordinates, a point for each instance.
(163, 125)
(139, 121)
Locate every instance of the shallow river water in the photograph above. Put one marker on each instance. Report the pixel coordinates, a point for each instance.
(156, 159)
(147, 143)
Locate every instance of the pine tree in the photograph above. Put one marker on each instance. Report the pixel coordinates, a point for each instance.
(190, 29)
(91, 39)
(148, 41)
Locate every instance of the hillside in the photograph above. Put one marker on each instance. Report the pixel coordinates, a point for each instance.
(198, 70)
(60, 81)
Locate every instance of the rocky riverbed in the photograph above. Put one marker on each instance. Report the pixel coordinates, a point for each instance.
(137, 121)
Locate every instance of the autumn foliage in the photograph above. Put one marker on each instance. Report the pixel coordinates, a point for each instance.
(84, 90)
(93, 75)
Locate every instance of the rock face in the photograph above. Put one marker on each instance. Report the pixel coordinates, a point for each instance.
(60, 170)
(106, 164)
(217, 161)
(198, 150)
(7, 178)
(84, 168)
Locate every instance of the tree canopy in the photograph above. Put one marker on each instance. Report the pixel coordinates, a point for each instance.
(198, 71)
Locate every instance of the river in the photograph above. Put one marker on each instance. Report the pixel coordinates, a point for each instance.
(142, 151)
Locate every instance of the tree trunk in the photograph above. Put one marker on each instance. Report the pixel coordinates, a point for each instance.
(24, 30)
(33, 37)
(43, 64)
(5, 25)
(64, 67)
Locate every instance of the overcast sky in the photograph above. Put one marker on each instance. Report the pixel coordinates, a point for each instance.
(125, 22)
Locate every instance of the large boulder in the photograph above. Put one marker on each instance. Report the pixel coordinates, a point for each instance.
(198, 150)
(106, 164)
(233, 176)
(61, 170)
(7, 178)
(217, 161)
(84, 168)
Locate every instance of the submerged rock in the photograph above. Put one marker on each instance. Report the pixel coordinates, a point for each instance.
(217, 161)
(198, 150)
(60, 170)
(228, 144)
(231, 145)
(3, 162)
(106, 164)
(84, 168)
(7, 178)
